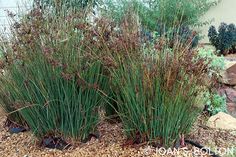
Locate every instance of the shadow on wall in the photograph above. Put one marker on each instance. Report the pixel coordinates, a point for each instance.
(224, 12)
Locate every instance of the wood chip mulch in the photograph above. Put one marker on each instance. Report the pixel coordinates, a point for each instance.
(108, 145)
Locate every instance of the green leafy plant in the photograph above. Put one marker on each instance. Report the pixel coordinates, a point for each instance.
(215, 63)
(168, 12)
(216, 103)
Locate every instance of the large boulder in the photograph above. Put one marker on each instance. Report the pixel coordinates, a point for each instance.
(222, 121)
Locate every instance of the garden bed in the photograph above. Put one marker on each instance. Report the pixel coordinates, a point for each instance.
(110, 143)
(60, 68)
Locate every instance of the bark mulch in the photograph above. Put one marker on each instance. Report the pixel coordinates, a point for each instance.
(110, 144)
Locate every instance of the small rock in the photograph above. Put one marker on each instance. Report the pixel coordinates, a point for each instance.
(222, 121)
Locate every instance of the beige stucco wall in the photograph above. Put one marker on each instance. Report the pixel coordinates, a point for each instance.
(225, 11)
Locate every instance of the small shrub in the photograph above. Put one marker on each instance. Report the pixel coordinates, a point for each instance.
(225, 39)
(215, 63)
(216, 103)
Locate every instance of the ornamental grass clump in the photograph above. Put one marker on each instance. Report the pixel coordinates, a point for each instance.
(48, 79)
(154, 87)
(157, 94)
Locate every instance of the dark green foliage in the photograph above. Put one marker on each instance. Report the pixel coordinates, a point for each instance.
(225, 39)
(213, 35)
(186, 35)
